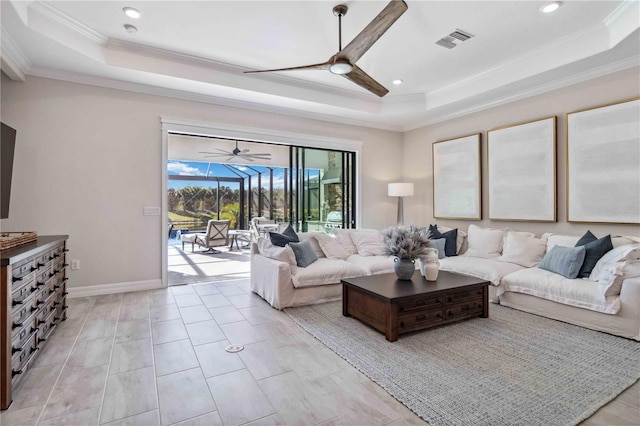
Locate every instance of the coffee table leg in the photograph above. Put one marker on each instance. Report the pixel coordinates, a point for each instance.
(485, 312)
(391, 333)
(345, 301)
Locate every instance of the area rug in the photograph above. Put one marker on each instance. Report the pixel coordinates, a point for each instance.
(512, 368)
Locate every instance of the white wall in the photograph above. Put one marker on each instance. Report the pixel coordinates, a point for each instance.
(417, 150)
(88, 159)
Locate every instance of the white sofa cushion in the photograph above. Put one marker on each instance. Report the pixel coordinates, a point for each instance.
(522, 248)
(344, 237)
(325, 271)
(487, 269)
(559, 240)
(372, 264)
(331, 246)
(368, 243)
(484, 242)
(283, 254)
(618, 254)
(547, 285)
(613, 274)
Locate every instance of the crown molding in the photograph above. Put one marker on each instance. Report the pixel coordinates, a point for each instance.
(539, 89)
(196, 97)
(14, 62)
(67, 21)
(624, 20)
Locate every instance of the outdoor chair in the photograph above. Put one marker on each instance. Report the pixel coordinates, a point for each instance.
(217, 235)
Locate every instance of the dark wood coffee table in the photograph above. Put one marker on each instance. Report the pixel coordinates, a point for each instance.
(395, 307)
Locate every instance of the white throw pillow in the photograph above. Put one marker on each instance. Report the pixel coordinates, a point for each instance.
(552, 240)
(618, 254)
(522, 248)
(344, 238)
(368, 243)
(484, 242)
(331, 247)
(612, 276)
(283, 254)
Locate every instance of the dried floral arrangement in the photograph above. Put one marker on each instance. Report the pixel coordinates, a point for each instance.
(406, 242)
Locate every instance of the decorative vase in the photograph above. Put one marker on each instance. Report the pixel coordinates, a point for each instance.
(431, 265)
(404, 268)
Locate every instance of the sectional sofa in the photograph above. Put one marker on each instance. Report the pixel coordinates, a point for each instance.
(608, 300)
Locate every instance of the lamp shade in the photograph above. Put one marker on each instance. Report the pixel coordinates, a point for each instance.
(400, 190)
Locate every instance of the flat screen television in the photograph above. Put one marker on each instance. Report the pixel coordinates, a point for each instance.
(7, 148)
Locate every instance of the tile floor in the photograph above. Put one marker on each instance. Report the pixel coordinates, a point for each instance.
(158, 357)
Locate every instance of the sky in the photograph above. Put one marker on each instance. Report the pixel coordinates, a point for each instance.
(193, 168)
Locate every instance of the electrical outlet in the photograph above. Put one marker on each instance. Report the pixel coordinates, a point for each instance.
(151, 211)
(75, 265)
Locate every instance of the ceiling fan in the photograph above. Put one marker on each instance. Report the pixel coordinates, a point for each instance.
(244, 154)
(344, 62)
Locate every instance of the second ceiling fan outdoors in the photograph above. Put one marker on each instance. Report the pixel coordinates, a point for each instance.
(344, 62)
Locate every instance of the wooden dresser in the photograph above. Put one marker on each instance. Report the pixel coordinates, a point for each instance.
(33, 293)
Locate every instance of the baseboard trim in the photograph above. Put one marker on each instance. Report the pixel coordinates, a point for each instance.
(101, 289)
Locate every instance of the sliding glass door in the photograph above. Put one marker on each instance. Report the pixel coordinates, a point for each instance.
(322, 183)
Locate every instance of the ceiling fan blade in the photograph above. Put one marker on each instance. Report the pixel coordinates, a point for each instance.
(215, 155)
(373, 31)
(365, 81)
(322, 66)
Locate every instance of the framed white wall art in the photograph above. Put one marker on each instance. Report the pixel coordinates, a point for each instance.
(603, 164)
(456, 178)
(522, 171)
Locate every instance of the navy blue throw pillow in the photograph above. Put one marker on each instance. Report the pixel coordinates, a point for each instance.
(450, 237)
(281, 240)
(595, 249)
(304, 253)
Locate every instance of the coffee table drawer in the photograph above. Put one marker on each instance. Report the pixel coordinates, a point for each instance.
(418, 320)
(419, 304)
(470, 308)
(462, 296)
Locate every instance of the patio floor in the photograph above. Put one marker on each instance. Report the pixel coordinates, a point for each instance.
(186, 267)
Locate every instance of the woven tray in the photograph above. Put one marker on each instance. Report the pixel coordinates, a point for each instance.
(14, 239)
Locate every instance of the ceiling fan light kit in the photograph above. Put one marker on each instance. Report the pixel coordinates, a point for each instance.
(343, 62)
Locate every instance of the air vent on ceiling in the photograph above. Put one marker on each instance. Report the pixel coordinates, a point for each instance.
(457, 36)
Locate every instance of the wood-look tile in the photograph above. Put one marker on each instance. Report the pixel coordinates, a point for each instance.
(56, 351)
(90, 353)
(279, 334)
(131, 355)
(174, 356)
(150, 418)
(165, 313)
(226, 314)
(214, 300)
(128, 394)
(228, 389)
(296, 400)
(411, 420)
(209, 419)
(77, 389)
(204, 332)
(96, 329)
(184, 300)
(36, 386)
(168, 331)
(184, 395)
(245, 300)
(139, 298)
(134, 312)
(195, 314)
(106, 311)
(21, 417)
(257, 315)
(69, 328)
(272, 420)
(206, 289)
(85, 417)
(215, 360)
(133, 330)
(263, 360)
(241, 332)
(309, 363)
(161, 297)
(105, 299)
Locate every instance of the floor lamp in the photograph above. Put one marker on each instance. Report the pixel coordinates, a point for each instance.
(400, 190)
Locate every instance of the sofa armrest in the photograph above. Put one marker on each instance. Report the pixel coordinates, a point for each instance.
(271, 280)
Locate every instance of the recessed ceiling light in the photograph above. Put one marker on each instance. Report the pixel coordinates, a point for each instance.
(131, 12)
(396, 82)
(550, 7)
(131, 29)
